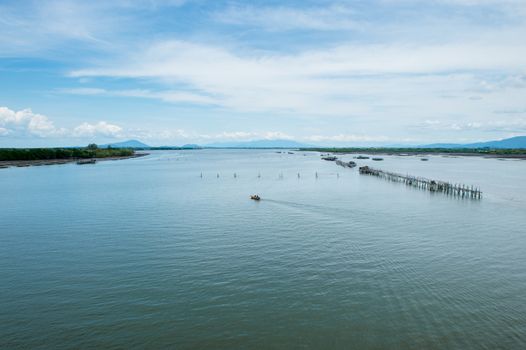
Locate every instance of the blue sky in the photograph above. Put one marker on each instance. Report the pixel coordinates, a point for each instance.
(172, 72)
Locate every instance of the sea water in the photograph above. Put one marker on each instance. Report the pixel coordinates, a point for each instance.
(168, 251)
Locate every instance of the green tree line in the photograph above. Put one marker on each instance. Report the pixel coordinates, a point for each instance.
(62, 153)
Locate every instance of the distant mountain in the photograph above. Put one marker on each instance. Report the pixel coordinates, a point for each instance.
(126, 144)
(439, 145)
(514, 142)
(259, 144)
(191, 146)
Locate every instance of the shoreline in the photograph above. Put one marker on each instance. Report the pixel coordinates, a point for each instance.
(427, 154)
(4, 164)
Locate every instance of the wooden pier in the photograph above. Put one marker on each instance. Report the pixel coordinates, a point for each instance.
(459, 190)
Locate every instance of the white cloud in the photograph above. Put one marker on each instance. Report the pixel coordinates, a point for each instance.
(243, 136)
(165, 135)
(516, 125)
(375, 63)
(347, 138)
(99, 129)
(38, 26)
(25, 123)
(277, 135)
(332, 17)
(167, 95)
(230, 135)
(218, 70)
(30, 27)
(84, 91)
(28, 123)
(482, 2)
(377, 81)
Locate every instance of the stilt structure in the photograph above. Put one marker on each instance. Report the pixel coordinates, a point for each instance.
(426, 184)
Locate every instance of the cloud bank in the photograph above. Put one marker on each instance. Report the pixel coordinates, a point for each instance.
(27, 123)
(336, 71)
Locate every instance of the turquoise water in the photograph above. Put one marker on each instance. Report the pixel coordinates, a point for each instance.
(144, 253)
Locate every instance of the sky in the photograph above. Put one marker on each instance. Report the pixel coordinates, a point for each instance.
(173, 72)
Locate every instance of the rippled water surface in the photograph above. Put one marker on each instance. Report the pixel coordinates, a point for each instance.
(144, 253)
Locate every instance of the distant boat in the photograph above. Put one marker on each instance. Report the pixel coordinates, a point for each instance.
(255, 197)
(424, 159)
(362, 157)
(350, 164)
(330, 158)
(378, 159)
(86, 161)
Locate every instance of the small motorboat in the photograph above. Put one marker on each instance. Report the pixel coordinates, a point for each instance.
(255, 197)
(86, 161)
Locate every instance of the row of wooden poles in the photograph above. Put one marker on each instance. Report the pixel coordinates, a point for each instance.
(460, 190)
(280, 175)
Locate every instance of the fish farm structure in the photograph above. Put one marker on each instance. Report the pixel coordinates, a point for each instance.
(460, 190)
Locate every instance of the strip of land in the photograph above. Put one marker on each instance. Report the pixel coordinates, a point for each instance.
(24, 157)
(480, 152)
